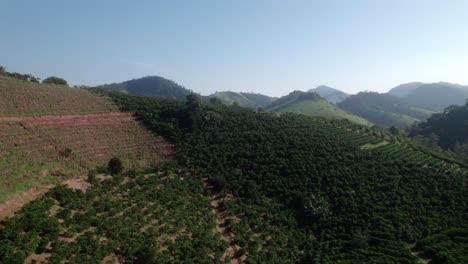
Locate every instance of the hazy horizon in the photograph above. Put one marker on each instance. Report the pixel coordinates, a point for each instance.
(267, 47)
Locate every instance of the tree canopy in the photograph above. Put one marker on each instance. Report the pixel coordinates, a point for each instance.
(55, 80)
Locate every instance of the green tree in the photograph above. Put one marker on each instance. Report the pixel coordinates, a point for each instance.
(55, 80)
(2, 70)
(115, 166)
(193, 102)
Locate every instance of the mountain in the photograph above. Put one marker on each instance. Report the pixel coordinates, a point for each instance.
(332, 95)
(438, 96)
(260, 100)
(249, 100)
(434, 96)
(449, 129)
(312, 104)
(384, 109)
(150, 86)
(404, 89)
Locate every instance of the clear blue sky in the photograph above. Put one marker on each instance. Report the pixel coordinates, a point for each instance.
(271, 47)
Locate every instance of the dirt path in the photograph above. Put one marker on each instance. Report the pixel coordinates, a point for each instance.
(222, 226)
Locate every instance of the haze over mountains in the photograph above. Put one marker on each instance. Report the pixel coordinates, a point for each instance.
(402, 106)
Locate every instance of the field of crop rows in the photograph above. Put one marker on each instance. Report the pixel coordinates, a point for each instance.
(38, 150)
(162, 215)
(20, 98)
(398, 150)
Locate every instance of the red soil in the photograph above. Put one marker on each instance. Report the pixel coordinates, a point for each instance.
(35, 146)
(9, 207)
(115, 118)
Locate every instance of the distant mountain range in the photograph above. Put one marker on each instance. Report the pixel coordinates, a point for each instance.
(449, 129)
(312, 104)
(384, 109)
(434, 96)
(332, 95)
(402, 106)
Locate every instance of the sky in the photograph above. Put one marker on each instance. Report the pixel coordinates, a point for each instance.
(271, 47)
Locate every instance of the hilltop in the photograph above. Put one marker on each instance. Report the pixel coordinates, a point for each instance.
(311, 104)
(384, 109)
(249, 100)
(150, 86)
(332, 95)
(53, 133)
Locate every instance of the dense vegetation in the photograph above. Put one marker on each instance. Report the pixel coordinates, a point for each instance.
(151, 86)
(55, 80)
(384, 109)
(448, 130)
(323, 189)
(312, 104)
(161, 215)
(450, 246)
(294, 189)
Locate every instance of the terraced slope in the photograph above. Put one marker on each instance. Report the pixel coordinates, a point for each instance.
(21, 98)
(51, 133)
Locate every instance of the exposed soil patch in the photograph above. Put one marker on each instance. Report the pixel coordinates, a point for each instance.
(38, 258)
(69, 119)
(9, 207)
(35, 148)
(78, 184)
(111, 259)
(222, 225)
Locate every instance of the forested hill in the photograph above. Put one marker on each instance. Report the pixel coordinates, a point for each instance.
(312, 104)
(151, 86)
(384, 109)
(332, 95)
(313, 190)
(249, 100)
(450, 128)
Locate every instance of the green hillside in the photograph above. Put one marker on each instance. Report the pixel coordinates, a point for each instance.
(301, 189)
(228, 98)
(311, 104)
(150, 86)
(447, 130)
(253, 187)
(249, 100)
(52, 133)
(385, 109)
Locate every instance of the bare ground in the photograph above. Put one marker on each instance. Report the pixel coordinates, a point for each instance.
(222, 227)
(9, 207)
